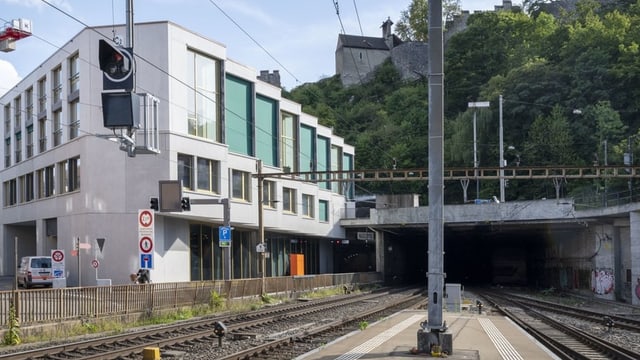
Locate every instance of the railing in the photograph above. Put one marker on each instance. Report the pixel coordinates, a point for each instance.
(53, 305)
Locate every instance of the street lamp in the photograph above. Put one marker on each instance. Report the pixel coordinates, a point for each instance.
(475, 105)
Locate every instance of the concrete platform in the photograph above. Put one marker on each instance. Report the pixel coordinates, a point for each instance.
(475, 336)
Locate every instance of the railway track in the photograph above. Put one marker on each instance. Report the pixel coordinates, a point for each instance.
(278, 327)
(566, 341)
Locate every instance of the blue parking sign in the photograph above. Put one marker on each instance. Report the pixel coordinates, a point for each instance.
(224, 235)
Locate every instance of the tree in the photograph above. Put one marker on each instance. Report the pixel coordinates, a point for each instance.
(414, 24)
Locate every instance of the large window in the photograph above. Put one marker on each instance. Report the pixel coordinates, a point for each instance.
(7, 120)
(185, 170)
(289, 200)
(42, 134)
(56, 87)
(7, 152)
(322, 159)
(74, 73)
(308, 203)
(46, 182)
(267, 130)
(241, 185)
(323, 210)
(289, 142)
(27, 189)
(269, 194)
(69, 175)
(74, 120)
(17, 113)
(238, 115)
(56, 130)
(203, 96)
(10, 192)
(208, 175)
(42, 95)
(18, 147)
(336, 164)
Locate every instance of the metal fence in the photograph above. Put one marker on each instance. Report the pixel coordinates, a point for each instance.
(52, 305)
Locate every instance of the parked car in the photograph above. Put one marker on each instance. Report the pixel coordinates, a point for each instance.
(35, 270)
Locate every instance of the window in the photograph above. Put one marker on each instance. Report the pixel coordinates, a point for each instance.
(42, 134)
(308, 203)
(74, 75)
(74, 120)
(323, 211)
(27, 188)
(289, 143)
(10, 192)
(45, 178)
(7, 152)
(289, 200)
(57, 128)
(42, 95)
(7, 120)
(241, 185)
(185, 170)
(17, 114)
(18, 147)
(336, 164)
(69, 175)
(269, 194)
(208, 175)
(203, 96)
(56, 90)
(29, 141)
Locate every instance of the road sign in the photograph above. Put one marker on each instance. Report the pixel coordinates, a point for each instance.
(224, 234)
(146, 261)
(146, 244)
(145, 219)
(95, 263)
(57, 263)
(57, 256)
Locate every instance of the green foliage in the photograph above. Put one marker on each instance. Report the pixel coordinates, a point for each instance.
(217, 301)
(363, 325)
(568, 77)
(12, 335)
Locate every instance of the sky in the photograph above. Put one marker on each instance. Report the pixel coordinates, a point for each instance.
(296, 37)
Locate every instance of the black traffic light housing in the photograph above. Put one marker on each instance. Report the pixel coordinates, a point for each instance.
(219, 329)
(117, 66)
(186, 204)
(153, 203)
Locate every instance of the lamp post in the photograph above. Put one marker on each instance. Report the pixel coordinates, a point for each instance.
(475, 105)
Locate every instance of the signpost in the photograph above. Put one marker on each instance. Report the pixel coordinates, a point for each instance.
(146, 234)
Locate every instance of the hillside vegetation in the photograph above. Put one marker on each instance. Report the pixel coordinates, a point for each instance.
(571, 93)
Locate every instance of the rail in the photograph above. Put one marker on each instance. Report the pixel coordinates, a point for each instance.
(483, 173)
(54, 305)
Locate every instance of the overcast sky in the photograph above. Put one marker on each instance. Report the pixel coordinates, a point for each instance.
(297, 37)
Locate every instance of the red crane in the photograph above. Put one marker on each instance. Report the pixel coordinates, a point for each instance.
(13, 31)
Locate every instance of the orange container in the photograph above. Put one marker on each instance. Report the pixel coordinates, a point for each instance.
(296, 263)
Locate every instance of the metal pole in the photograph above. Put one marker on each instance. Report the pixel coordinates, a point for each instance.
(502, 195)
(261, 221)
(475, 156)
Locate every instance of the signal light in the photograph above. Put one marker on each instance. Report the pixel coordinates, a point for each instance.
(116, 64)
(154, 204)
(186, 204)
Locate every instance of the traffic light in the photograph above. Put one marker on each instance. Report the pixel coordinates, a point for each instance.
(186, 204)
(116, 64)
(154, 204)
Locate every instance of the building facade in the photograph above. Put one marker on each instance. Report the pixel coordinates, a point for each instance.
(67, 186)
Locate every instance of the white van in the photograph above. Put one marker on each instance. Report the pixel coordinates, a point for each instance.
(35, 270)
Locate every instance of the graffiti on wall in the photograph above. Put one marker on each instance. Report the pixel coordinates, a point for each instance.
(638, 288)
(602, 281)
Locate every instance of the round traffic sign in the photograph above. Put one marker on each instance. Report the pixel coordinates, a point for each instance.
(95, 263)
(146, 218)
(57, 255)
(146, 244)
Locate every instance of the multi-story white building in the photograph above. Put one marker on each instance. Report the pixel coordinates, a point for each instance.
(64, 180)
